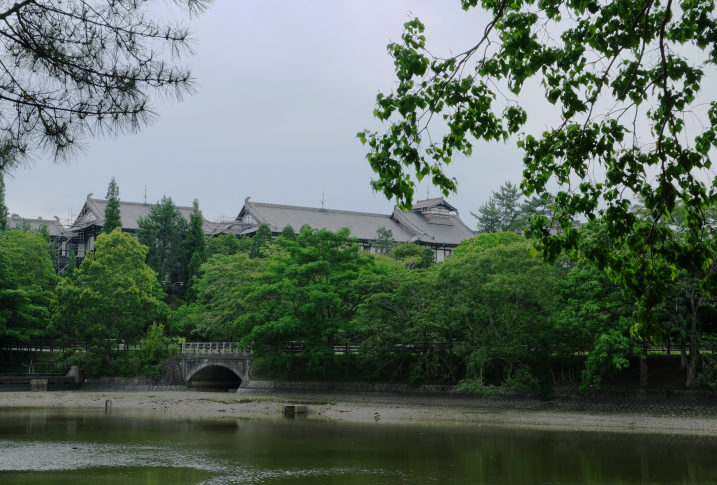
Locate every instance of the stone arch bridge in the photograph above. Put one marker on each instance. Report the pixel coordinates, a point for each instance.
(215, 365)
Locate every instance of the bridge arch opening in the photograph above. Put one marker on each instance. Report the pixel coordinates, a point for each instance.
(214, 378)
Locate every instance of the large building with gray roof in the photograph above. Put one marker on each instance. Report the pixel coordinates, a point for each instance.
(433, 223)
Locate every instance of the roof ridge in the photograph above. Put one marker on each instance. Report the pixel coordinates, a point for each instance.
(462, 222)
(254, 212)
(141, 203)
(411, 227)
(316, 209)
(31, 219)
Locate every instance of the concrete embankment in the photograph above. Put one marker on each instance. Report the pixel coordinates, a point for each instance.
(71, 381)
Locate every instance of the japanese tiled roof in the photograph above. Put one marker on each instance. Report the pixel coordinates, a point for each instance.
(405, 226)
(93, 213)
(54, 228)
(363, 225)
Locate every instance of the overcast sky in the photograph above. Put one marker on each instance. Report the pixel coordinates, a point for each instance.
(284, 87)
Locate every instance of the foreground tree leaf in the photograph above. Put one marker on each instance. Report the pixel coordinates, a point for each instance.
(622, 84)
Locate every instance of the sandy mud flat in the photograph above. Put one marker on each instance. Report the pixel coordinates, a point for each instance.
(198, 404)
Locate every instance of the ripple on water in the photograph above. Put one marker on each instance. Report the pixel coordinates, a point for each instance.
(44, 456)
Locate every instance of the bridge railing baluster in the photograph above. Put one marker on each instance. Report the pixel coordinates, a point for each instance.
(211, 348)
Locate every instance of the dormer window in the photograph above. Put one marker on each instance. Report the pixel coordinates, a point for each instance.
(442, 219)
(436, 211)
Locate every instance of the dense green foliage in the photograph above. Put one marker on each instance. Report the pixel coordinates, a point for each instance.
(163, 232)
(413, 255)
(112, 298)
(113, 218)
(228, 244)
(503, 300)
(71, 264)
(288, 233)
(595, 316)
(29, 258)
(485, 241)
(622, 76)
(307, 296)
(153, 352)
(384, 242)
(219, 296)
(195, 246)
(27, 280)
(261, 242)
(490, 317)
(4, 213)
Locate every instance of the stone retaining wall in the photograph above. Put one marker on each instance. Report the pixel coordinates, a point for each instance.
(170, 380)
(349, 387)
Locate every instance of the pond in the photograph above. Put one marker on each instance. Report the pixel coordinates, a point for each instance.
(70, 446)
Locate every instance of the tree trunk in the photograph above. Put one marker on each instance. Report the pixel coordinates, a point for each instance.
(692, 369)
(683, 357)
(643, 371)
(694, 348)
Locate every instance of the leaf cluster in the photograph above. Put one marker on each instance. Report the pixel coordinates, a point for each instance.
(111, 298)
(307, 296)
(623, 87)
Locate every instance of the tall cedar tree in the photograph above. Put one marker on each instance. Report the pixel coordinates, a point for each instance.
(196, 251)
(288, 233)
(506, 199)
(504, 211)
(260, 242)
(71, 265)
(82, 67)
(488, 218)
(113, 219)
(49, 244)
(163, 232)
(3, 208)
(385, 242)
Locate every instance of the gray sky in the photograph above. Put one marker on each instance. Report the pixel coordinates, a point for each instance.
(283, 88)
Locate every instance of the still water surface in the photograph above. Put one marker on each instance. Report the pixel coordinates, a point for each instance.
(86, 446)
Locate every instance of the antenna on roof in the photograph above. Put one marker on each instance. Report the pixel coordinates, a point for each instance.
(428, 191)
(323, 199)
(145, 195)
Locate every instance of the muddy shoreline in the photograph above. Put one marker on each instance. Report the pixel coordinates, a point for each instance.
(201, 405)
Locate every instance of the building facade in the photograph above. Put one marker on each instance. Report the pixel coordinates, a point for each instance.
(433, 223)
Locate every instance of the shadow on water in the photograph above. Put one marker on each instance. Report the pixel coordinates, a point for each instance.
(74, 446)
